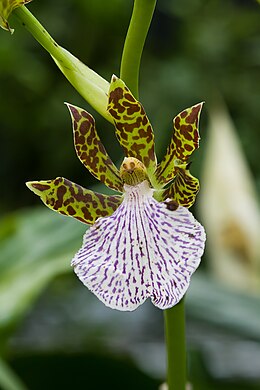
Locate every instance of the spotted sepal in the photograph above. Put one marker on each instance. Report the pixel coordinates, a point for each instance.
(133, 129)
(6, 8)
(145, 249)
(90, 149)
(183, 190)
(70, 199)
(185, 140)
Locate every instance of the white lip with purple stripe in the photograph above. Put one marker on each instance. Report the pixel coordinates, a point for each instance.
(143, 250)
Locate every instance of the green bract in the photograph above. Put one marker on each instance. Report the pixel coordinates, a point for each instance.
(92, 87)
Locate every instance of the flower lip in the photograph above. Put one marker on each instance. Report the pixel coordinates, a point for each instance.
(133, 171)
(145, 249)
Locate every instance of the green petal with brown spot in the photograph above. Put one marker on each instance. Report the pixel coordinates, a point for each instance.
(133, 129)
(183, 189)
(6, 8)
(91, 151)
(70, 199)
(185, 140)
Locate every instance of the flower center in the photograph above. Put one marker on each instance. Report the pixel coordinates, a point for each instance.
(133, 171)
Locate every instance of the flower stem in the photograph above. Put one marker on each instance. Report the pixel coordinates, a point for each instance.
(129, 72)
(134, 43)
(38, 31)
(176, 346)
(88, 83)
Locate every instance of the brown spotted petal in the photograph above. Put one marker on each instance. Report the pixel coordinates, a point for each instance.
(90, 149)
(70, 199)
(133, 129)
(185, 140)
(183, 190)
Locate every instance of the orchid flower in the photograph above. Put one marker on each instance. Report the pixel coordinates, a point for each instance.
(143, 243)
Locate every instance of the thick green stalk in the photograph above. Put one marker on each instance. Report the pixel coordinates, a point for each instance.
(39, 33)
(134, 43)
(176, 346)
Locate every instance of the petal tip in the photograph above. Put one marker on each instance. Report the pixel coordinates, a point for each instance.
(30, 184)
(68, 104)
(114, 78)
(38, 186)
(71, 107)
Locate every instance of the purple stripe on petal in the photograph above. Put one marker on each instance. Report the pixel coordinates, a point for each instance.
(142, 250)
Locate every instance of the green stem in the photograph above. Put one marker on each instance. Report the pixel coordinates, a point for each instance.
(130, 64)
(39, 33)
(134, 43)
(88, 83)
(176, 346)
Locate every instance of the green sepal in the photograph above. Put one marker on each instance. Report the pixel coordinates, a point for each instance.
(70, 199)
(185, 140)
(133, 129)
(6, 8)
(91, 151)
(183, 189)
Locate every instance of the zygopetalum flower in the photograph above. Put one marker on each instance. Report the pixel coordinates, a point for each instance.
(144, 243)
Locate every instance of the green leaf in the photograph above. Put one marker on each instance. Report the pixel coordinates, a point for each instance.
(214, 303)
(38, 248)
(8, 378)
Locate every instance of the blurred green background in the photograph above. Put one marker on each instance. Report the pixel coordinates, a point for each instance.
(53, 333)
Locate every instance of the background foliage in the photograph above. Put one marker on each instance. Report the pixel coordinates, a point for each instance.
(196, 50)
